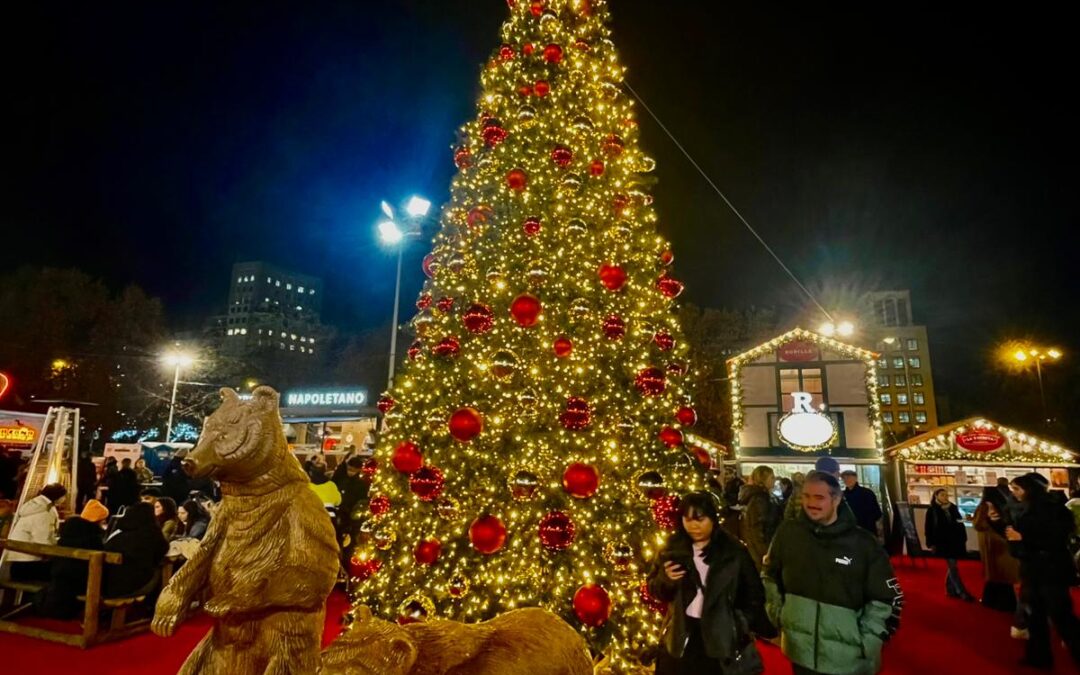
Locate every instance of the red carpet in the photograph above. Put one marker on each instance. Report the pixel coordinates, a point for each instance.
(937, 635)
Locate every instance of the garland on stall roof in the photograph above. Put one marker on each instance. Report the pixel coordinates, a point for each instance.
(1023, 448)
(868, 358)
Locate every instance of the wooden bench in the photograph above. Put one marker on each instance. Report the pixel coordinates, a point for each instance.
(94, 603)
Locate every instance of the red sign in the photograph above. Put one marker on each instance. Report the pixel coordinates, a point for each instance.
(980, 440)
(798, 350)
(5, 384)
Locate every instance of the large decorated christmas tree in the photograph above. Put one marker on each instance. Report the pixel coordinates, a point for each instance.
(535, 442)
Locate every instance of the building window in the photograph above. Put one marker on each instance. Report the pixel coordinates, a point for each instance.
(901, 399)
(916, 380)
(288, 287)
(920, 416)
(883, 362)
(900, 381)
(311, 340)
(904, 417)
(300, 289)
(898, 363)
(311, 292)
(243, 331)
(912, 345)
(915, 362)
(281, 345)
(883, 380)
(887, 417)
(800, 379)
(277, 284)
(269, 280)
(886, 399)
(918, 399)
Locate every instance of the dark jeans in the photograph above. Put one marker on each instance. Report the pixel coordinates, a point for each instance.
(1050, 602)
(954, 585)
(31, 570)
(694, 660)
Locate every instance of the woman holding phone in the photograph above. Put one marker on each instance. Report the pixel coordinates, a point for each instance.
(716, 599)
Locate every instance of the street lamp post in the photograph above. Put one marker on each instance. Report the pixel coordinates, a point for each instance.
(178, 360)
(1038, 355)
(392, 234)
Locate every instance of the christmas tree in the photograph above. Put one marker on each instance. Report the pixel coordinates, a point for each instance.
(535, 443)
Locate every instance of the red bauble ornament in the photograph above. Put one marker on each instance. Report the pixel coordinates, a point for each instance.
(526, 309)
(577, 414)
(478, 215)
(620, 202)
(702, 456)
(542, 88)
(612, 276)
(463, 158)
(427, 551)
(596, 167)
(553, 53)
(562, 346)
(556, 531)
(531, 226)
(654, 603)
(426, 265)
(592, 605)
(370, 467)
(671, 437)
(527, 49)
(465, 424)
(686, 416)
(676, 369)
(669, 286)
(614, 327)
(423, 302)
(379, 506)
(407, 457)
(493, 133)
(536, 8)
(667, 257)
(386, 402)
(487, 534)
(650, 381)
(506, 53)
(445, 304)
(664, 340)
(478, 319)
(362, 570)
(665, 512)
(426, 483)
(562, 156)
(517, 180)
(525, 90)
(415, 350)
(447, 347)
(581, 480)
(612, 146)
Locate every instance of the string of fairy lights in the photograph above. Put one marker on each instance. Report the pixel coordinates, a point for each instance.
(538, 433)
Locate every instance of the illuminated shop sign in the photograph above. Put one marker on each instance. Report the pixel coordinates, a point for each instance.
(981, 440)
(18, 435)
(331, 402)
(804, 428)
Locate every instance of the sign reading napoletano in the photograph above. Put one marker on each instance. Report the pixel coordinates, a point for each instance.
(331, 402)
(804, 428)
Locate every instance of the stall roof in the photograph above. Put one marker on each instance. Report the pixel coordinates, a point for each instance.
(942, 444)
(803, 334)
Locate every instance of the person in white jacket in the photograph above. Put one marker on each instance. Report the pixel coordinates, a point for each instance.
(37, 522)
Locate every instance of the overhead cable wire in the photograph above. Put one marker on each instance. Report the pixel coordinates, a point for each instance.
(727, 201)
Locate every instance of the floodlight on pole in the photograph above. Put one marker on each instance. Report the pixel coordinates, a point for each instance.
(846, 329)
(177, 360)
(827, 329)
(417, 207)
(387, 210)
(390, 233)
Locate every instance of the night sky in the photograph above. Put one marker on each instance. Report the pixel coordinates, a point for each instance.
(874, 146)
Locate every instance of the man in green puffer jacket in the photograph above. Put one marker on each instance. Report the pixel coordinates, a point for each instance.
(830, 587)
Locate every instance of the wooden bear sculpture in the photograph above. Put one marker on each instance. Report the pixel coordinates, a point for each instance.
(269, 557)
(530, 641)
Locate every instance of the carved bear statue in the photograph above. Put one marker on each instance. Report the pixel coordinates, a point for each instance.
(530, 640)
(269, 558)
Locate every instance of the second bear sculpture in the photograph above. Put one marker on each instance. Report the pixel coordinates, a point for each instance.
(531, 640)
(269, 558)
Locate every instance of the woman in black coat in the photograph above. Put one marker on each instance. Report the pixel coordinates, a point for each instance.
(947, 537)
(1040, 539)
(139, 540)
(715, 597)
(68, 575)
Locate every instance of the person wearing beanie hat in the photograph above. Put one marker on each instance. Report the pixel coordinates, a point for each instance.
(93, 512)
(68, 576)
(828, 465)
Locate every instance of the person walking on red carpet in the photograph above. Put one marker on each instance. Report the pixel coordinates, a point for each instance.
(1040, 539)
(946, 535)
(830, 587)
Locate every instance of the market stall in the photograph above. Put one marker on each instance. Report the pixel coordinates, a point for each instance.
(966, 456)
